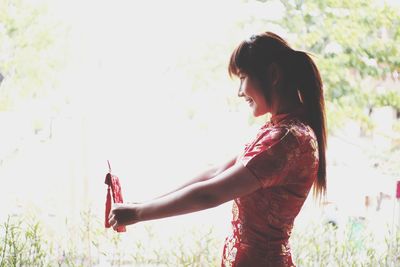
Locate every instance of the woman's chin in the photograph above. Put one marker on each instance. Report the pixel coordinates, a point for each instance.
(258, 113)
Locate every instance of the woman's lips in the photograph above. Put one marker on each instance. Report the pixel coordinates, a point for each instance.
(249, 101)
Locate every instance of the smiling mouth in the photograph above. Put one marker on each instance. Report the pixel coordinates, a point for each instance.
(249, 101)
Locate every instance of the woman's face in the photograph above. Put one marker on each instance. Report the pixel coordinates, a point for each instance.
(251, 91)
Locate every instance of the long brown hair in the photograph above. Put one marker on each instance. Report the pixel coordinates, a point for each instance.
(255, 55)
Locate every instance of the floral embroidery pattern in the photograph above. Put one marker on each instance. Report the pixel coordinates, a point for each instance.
(235, 211)
(230, 251)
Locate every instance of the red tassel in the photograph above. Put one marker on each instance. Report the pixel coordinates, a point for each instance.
(108, 208)
(113, 183)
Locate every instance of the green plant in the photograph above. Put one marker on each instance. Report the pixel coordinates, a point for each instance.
(22, 243)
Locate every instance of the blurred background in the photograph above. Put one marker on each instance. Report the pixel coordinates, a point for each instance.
(144, 84)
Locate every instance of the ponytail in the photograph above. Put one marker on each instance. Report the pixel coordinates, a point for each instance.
(309, 84)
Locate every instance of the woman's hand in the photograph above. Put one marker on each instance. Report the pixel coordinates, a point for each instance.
(123, 214)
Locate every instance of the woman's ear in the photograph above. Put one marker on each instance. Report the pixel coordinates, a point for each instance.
(274, 74)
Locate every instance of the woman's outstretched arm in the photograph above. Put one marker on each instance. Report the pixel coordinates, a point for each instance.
(234, 182)
(204, 176)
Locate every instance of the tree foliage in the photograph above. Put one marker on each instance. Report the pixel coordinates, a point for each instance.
(357, 47)
(32, 49)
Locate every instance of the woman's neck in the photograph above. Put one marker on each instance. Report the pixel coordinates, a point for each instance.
(285, 105)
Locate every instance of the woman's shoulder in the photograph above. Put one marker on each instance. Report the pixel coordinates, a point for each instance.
(295, 127)
(289, 132)
(293, 131)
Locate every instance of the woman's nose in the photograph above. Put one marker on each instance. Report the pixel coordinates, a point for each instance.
(240, 92)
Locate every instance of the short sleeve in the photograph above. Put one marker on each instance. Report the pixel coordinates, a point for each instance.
(271, 158)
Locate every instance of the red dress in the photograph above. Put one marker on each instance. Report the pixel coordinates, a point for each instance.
(284, 159)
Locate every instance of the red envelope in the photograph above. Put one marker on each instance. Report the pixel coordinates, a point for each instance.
(113, 183)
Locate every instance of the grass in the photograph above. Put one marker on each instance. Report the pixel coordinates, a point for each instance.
(354, 245)
(23, 242)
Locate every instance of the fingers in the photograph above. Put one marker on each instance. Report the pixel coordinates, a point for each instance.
(121, 215)
(112, 221)
(112, 218)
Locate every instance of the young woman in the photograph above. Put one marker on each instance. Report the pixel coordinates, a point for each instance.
(271, 179)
